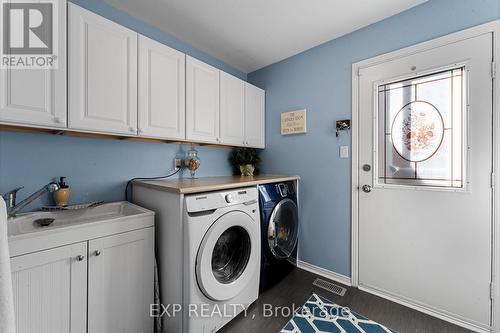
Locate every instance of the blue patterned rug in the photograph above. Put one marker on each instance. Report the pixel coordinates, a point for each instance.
(322, 315)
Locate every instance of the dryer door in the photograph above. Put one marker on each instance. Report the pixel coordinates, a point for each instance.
(228, 256)
(282, 231)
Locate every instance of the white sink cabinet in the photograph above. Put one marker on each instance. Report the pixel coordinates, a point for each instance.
(90, 271)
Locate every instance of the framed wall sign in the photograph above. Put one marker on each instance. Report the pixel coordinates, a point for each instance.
(293, 122)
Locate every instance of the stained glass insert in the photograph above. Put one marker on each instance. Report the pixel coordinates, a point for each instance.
(421, 130)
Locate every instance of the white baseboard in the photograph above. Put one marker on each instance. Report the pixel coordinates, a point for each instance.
(345, 280)
(451, 318)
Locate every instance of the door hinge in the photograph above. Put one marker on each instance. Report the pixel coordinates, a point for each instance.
(492, 180)
(492, 291)
(493, 69)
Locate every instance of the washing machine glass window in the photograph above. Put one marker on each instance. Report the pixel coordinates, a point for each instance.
(282, 231)
(228, 256)
(231, 254)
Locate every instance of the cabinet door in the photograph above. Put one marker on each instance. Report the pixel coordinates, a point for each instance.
(202, 101)
(254, 116)
(37, 97)
(161, 91)
(232, 110)
(50, 290)
(102, 74)
(121, 283)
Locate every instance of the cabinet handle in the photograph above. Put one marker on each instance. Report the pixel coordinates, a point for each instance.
(58, 120)
(97, 253)
(132, 129)
(80, 257)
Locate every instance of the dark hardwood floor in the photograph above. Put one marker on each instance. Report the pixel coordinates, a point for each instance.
(296, 289)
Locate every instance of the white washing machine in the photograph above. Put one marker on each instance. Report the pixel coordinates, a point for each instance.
(222, 253)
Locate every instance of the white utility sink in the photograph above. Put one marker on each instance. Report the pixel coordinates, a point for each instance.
(28, 223)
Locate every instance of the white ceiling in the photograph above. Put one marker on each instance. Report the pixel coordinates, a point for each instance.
(251, 34)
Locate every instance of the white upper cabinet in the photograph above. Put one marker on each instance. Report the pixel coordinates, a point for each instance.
(37, 97)
(232, 110)
(122, 83)
(161, 91)
(202, 101)
(254, 116)
(102, 74)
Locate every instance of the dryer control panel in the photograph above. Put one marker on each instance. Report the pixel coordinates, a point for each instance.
(213, 200)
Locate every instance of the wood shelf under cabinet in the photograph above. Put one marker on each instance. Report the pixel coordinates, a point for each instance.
(68, 132)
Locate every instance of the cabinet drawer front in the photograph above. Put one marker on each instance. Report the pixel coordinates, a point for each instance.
(121, 282)
(50, 290)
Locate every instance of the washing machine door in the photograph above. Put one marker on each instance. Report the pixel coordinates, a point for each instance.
(282, 231)
(228, 256)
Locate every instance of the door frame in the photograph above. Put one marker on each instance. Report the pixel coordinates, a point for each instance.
(490, 27)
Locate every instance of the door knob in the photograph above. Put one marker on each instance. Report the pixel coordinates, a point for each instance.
(366, 188)
(80, 257)
(97, 253)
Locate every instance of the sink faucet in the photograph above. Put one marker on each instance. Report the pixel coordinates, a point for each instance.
(10, 198)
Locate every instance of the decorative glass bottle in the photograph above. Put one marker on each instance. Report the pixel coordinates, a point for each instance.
(192, 161)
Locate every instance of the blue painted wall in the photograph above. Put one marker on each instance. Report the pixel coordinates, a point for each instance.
(319, 80)
(98, 169)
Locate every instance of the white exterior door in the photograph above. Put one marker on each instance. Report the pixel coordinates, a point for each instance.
(121, 283)
(37, 97)
(254, 116)
(202, 101)
(425, 196)
(102, 74)
(161, 91)
(50, 290)
(232, 110)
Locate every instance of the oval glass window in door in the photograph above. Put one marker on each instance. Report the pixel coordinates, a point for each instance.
(282, 231)
(230, 255)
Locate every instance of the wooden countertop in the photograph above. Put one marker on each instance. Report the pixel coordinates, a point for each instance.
(207, 184)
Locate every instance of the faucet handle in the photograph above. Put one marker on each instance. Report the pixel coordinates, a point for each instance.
(10, 196)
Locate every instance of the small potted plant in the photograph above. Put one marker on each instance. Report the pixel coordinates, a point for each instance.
(246, 159)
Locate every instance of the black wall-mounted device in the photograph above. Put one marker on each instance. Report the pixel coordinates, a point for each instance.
(342, 125)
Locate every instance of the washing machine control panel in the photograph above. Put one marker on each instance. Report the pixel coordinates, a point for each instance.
(229, 198)
(214, 200)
